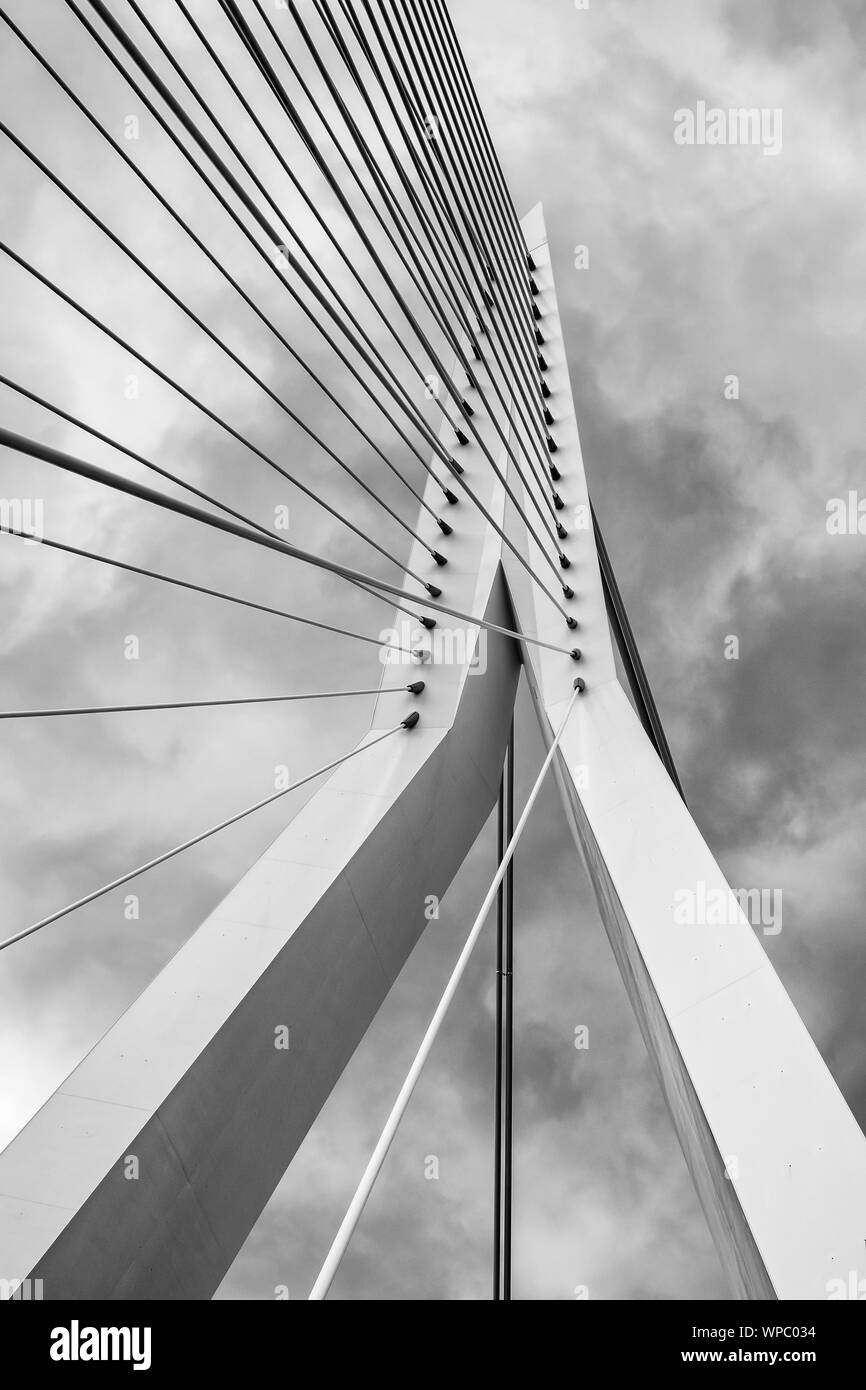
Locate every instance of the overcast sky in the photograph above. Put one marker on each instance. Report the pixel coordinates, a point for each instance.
(704, 263)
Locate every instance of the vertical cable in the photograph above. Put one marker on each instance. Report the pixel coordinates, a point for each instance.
(356, 1207)
(508, 1046)
(497, 1095)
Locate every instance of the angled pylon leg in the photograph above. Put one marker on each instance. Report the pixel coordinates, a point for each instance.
(190, 1082)
(776, 1156)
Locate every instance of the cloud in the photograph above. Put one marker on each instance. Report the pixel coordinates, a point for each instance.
(703, 263)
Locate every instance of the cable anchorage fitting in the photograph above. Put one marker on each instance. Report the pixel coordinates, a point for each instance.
(412, 720)
(416, 687)
(444, 527)
(580, 684)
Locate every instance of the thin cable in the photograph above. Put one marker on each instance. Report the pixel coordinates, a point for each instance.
(131, 48)
(233, 357)
(427, 225)
(248, 39)
(188, 844)
(435, 44)
(419, 63)
(481, 209)
(172, 477)
(277, 240)
(278, 90)
(464, 185)
(400, 219)
(262, 253)
(508, 1028)
(211, 593)
(275, 150)
(458, 193)
(221, 269)
(365, 1187)
(198, 704)
(442, 249)
(455, 61)
(489, 164)
(231, 9)
(512, 256)
(438, 204)
(206, 410)
(402, 223)
(497, 1081)
(58, 459)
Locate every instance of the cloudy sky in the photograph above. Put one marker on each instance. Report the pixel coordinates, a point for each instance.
(704, 263)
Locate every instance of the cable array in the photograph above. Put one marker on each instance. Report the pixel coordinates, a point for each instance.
(345, 153)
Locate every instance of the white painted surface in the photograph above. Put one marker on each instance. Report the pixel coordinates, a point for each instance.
(743, 1078)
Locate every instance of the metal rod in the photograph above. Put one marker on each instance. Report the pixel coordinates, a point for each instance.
(497, 1095)
(508, 1029)
(216, 262)
(59, 459)
(374, 1167)
(197, 704)
(188, 844)
(212, 593)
